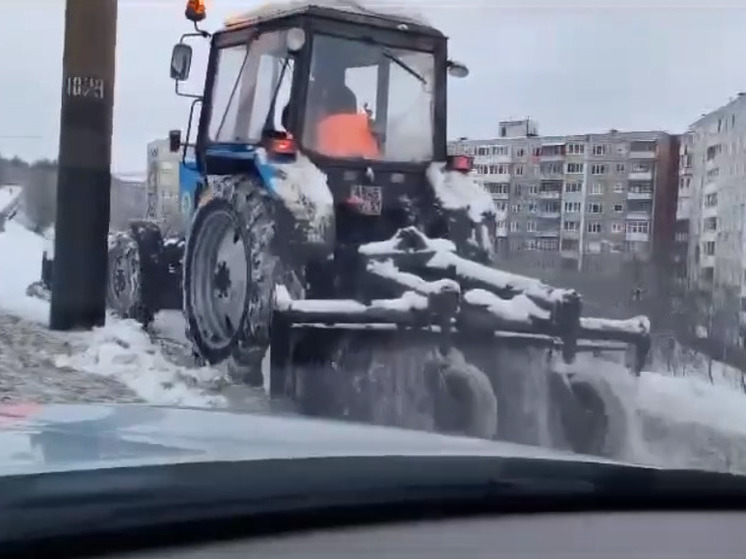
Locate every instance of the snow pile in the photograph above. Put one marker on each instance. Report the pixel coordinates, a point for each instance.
(381, 8)
(120, 350)
(407, 240)
(458, 191)
(303, 188)
(20, 254)
(518, 309)
(635, 325)
(387, 269)
(693, 400)
(9, 194)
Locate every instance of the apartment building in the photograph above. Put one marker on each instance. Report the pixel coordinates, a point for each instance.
(712, 211)
(590, 202)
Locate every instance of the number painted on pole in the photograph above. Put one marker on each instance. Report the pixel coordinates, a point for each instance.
(87, 87)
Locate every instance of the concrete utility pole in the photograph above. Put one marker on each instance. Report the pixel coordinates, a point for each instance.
(84, 173)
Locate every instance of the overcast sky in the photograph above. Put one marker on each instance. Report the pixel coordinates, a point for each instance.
(574, 66)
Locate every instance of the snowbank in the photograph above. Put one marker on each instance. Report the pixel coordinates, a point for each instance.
(120, 350)
(20, 258)
(9, 193)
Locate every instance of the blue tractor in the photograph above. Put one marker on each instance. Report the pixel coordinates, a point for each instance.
(328, 224)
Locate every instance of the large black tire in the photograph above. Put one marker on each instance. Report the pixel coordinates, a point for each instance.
(252, 212)
(124, 281)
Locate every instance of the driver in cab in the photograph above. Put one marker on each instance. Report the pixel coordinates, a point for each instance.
(339, 129)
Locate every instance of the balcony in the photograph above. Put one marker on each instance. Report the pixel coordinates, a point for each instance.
(502, 177)
(500, 195)
(710, 211)
(639, 195)
(639, 237)
(648, 154)
(549, 194)
(640, 215)
(569, 254)
(549, 214)
(548, 233)
(570, 234)
(640, 176)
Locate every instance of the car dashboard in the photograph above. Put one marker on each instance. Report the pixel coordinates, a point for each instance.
(644, 535)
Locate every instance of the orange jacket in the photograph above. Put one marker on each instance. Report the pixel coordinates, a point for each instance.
(346, 135)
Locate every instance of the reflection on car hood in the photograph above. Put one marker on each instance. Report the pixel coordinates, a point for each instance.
(42, 438)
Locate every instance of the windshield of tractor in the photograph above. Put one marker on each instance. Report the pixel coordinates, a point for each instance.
(245, 79)
(369, 101)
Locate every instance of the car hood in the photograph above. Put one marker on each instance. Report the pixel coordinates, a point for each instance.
(45, 438)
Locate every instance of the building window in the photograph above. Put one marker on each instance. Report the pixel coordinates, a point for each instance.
(571, 226)
(516, 208)
(520, 152)
(597, 188)
(709, 248)
(617, 227)
(497, 187)
(483, 151)
(515, 226)
(595, 208)
(532, 207)
(576, 149)
(518, 169)
(573, 187)
(531, 226)
(618, 208)
(550, 168)
(638, 227)
(500, 150)
(501, 205)
(642, 147)
(533, 189)
(641, 187)
(598, 169)
(574, 168)
(711, 200)
(618, 187)
(642, 168)
(594, 227)
(620, 168)
(599, 149)
(572, 207)
(553, 150)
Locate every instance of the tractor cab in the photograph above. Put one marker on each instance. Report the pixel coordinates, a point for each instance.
(360, 93)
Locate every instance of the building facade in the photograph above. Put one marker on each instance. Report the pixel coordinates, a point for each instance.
(712, 211)
(603, 204)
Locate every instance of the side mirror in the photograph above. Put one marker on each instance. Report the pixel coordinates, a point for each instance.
(457, 69)
(174, 140)
(181, 61)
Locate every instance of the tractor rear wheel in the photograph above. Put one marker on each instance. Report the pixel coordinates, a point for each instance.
(124, 280)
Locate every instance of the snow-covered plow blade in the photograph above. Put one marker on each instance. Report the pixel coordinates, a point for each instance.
(425, 300)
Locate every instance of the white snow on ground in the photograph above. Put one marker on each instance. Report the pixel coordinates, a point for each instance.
(8, 194)
(120, 349)
(694, 400)
(20, 254)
